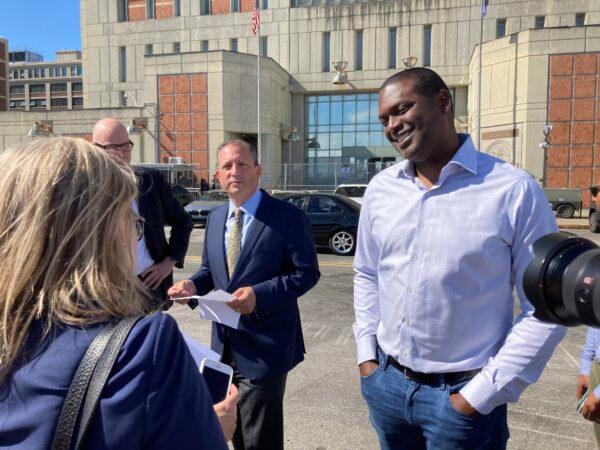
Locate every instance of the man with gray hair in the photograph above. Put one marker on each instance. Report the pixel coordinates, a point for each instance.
(261, 250)
(156, 256)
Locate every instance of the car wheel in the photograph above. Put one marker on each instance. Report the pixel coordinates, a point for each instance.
(595, 222)
(342, 242)
(565, 211)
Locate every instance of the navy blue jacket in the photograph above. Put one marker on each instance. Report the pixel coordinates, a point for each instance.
(155, 397)
(279, 261)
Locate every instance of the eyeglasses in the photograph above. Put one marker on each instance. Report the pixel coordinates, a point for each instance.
(139, 227)
(124, 147)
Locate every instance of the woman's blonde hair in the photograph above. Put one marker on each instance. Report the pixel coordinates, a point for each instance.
(64, 251)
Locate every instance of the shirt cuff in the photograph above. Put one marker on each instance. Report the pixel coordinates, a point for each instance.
(479, 392)
(366, 348)
(585, 367)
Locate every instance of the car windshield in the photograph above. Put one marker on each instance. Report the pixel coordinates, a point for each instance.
(351, 191)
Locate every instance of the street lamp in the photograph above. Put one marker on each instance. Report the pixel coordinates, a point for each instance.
(410, 61)
(340, 76)
(544, 145)
(40, 128)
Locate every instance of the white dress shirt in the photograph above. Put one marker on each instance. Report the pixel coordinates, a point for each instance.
(143, 259)
(435, 271)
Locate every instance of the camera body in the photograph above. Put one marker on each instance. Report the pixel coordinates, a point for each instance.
(561, 280)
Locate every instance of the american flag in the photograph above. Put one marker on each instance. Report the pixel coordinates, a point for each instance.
(256, 18)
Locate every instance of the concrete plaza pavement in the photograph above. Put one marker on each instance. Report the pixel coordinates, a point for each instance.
(324, 409)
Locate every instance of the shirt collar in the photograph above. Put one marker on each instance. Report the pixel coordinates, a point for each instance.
(249, 207)
(465, 157)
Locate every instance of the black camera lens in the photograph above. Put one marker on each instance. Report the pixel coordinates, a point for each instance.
(560, 281)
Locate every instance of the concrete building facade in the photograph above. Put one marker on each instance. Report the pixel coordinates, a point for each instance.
(341, 136)
(189, 67)
(38, 85)
(3, 74)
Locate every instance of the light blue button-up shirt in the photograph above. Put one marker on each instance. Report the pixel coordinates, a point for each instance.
(435, 271)
(249, 208)
(591, 352)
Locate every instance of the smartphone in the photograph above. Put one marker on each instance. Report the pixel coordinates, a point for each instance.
(218, 377)
(582, 401)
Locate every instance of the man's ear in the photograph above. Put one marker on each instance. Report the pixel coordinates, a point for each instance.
(444, 99)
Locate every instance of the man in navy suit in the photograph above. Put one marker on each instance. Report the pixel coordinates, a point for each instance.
(261, 250)
(156, 204)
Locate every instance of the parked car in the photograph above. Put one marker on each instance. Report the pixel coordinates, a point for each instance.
(564, 202)
(200, 209)
(334, 219)
(352, 191)
(182, 195)
(594, 217)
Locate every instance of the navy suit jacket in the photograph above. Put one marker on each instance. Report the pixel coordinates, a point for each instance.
(159, 207)
(278, 260)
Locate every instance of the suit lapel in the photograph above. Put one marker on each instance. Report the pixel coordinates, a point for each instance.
(256, 228)
(217, 235)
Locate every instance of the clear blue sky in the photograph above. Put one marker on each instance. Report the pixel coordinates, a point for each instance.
(46, 26)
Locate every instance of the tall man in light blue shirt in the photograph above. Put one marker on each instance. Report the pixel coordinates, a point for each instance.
(444, 237)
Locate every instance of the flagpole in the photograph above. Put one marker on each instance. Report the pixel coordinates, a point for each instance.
(258, 139)
(483, 13)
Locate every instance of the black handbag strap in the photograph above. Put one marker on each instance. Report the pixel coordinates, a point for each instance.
(88, 382)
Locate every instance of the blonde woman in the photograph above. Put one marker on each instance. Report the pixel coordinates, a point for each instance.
(67, 250)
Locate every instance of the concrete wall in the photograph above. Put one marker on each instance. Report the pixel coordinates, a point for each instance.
(515, 85)
(295, 38)
(232, 101)
(14, 127)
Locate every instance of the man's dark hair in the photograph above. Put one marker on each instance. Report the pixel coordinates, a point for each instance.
(425, 81)
(242, 144)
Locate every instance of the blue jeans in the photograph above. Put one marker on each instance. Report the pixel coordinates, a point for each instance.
(409, 415)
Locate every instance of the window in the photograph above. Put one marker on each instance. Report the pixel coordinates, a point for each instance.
(204, 46)
(73, 71)
(176, 47)
(122, 64)
(37, 88)
(77, 87)
(58, 87)
(11, 74)
(500, 28)
(79, 71)
(149, 49)
(17, 104)
(43, 72)
(37, 103)
(149, 9)
(204, 7)
(17, 89)
(358, 51)
(540, 21)
(392, 48)
(176, 8)
(427, 46)
(264, 46)
(235, 5)
(320, 204)
(264, 4)
(579, 19)
(233, 45)
(296, 201)
(36, 73)
(77, 102)
(122, 10)
(63, 71)
(326, 60)
(59, 103)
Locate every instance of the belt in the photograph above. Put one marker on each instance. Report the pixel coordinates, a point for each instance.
(433, 378)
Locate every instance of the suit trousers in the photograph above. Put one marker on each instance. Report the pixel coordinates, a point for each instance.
(260, 409)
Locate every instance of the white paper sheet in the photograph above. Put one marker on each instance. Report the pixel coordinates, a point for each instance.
(199, 351)
(212, 307)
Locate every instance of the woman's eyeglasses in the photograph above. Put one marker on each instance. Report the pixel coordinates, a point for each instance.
(139, 227)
